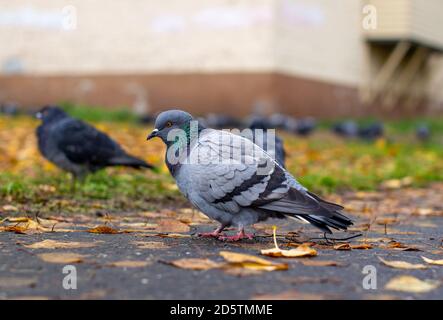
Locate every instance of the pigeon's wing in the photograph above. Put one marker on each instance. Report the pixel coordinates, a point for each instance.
(82, 143)
(233, 173)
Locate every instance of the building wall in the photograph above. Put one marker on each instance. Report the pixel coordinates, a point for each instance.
(301, 56)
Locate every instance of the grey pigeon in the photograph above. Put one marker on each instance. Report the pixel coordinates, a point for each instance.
(77, 147)
(233, 181)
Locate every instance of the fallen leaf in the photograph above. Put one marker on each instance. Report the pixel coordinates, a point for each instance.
(411, 284)
(52, 244)
(171, 226)
(13, 282)
(251, 262)
(300, 251)
(402, 264)
(9, 208)
(435, 262)
(62, 257)
(171, 235)
(103, 230)
(362, 246)
(343, 246)
(150, 245)
(15, 229)
(321, 263)
(130, 264)
(195, 264)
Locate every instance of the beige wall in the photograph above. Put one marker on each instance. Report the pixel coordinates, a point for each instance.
(320, 40)
(140, 36)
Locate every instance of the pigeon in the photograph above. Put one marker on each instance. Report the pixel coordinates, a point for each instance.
(371, 132)
(234, 181)
(423, 132)
(347, 129)
(305, 126)
(276, 151)
(77, 147)
(9, 109)
(222, 121)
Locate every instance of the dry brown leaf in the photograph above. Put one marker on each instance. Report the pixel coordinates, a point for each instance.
(300, 251)
(362, 246)
(171, 226)
(150, 245)
(13, 282)
(402, 264)
(62, 257)
(411, 284)
(9, 207)
(251, 262)
(434, 262)
(170, 235)
(195, 264)
(343, 246)
(52, 244)
(15, 229)
(321, 263)
(130, 264)
(103, 230)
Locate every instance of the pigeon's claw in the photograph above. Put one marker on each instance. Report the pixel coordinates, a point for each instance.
(239, 236)
(214, 234)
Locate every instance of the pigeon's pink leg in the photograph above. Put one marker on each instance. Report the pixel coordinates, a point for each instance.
(214, 234)
(239, 236)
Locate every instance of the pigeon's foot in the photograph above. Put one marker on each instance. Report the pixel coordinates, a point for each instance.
(239, 236)
(214, 234)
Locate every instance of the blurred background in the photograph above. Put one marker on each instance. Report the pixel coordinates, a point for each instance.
(319, 58)
(354, 87)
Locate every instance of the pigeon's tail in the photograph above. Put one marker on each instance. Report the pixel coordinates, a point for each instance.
(308, 207)
(130, 161)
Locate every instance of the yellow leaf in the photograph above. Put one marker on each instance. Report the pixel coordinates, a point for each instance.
(172, 226)
(251, 262)
(300, 251)
(130, 264)
(411, 284)
(435, 262)
(103, 230)
(150, 245)
(321, 263)
(52, 244)
(62, 258)
(195, 264)
(402, 264)
(343, 246)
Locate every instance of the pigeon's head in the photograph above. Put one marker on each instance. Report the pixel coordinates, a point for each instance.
(169, 120)
(50, 113)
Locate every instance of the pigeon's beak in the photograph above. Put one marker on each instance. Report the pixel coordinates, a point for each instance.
(39, 115)
(153, 134)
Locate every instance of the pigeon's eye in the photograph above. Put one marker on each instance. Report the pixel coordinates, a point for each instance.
(168, 124)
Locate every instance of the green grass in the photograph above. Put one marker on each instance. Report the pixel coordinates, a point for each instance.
(97, 114)
(322, 162)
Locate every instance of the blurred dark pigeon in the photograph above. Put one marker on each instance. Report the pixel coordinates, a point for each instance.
(372, 131)
(238, 193)
(222, 121)
(347, 129)
(305, 126)
(277, 121)
(277, 151)
(77, 147)
(10, 109)
(423, 132)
